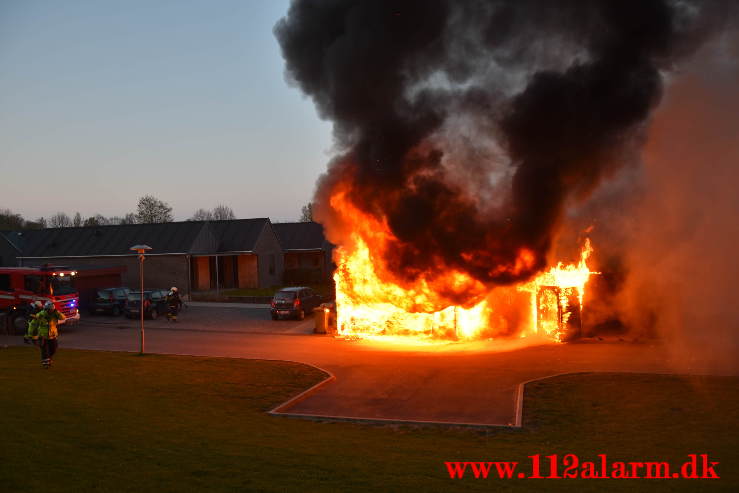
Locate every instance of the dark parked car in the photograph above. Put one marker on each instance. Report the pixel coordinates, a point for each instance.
(294, 302)
(109, 300)
(155, 303)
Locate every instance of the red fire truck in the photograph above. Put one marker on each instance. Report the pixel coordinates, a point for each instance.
(21, 286)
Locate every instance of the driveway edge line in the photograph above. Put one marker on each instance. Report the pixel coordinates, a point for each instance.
(278, 410)
(518, 402)
(518, 423)
(388, 421)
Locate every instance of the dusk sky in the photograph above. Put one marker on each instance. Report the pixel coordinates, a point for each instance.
(103, 102)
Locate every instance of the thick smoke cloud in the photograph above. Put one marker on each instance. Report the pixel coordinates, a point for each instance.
(471, 127)
(680, 250)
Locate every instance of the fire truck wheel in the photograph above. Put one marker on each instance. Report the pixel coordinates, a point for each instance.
(116, 311)
(20, 323)
(300, 315)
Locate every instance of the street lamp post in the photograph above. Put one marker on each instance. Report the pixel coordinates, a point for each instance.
(142, 249)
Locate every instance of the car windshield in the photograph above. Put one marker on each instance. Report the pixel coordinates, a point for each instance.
(285, 295)
(104, 293)
(62, 285)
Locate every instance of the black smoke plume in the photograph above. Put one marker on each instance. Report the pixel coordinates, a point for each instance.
(471, 126)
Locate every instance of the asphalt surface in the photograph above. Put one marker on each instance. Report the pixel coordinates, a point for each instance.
(224, 317)
(454, 383)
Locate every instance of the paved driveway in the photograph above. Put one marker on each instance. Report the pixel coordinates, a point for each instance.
(473, 383)
(223, 317)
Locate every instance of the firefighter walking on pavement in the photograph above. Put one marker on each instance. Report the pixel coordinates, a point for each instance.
(47, 332)
(174, 304)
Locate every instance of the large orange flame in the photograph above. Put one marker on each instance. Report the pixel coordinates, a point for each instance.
(372, 303)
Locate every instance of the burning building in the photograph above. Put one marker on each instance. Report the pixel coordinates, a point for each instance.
(467, 134)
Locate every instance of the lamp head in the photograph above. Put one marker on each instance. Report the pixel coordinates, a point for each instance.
(141, 248)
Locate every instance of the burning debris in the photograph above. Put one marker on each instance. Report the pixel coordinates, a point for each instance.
(466, 130)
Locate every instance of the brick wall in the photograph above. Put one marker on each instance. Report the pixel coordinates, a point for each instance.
(271, 258)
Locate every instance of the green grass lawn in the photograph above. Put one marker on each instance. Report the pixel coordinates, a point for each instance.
(325, 290)
(120, 422)
(251, 291)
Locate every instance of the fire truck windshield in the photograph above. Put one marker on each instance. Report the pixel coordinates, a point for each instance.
(61, 286)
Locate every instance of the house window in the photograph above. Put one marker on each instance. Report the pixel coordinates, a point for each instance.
(272, 264)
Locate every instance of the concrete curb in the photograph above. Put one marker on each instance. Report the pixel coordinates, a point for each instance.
(518, 417)
(278, 410)
(518, 423)
(388, 421)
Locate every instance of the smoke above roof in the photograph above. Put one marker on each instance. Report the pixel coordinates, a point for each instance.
(469, 128)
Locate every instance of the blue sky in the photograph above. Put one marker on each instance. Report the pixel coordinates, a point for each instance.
(104, 101)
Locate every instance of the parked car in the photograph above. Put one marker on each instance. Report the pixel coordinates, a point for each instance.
(109, 300)
(155, 303)
(294, 302)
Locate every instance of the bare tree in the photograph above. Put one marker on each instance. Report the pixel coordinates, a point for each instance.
(202, 215)
(77, 221)
(10, 220)
(306, 213)
(129, 218)
(39, 223)
(223, 212)
(96, 220)
(60, 220)
(152, 210)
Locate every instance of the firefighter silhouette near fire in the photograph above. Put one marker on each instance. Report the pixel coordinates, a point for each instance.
(174, 304)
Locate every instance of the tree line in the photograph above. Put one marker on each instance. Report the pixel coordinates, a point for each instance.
(148, 210)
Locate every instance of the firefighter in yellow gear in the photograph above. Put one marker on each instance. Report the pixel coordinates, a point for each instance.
(32, 329)
(47, 323)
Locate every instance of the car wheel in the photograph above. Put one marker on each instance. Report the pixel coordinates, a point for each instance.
(116, 311)
(20, 324)
(300, 315)
(154, 314)
(274, 316)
